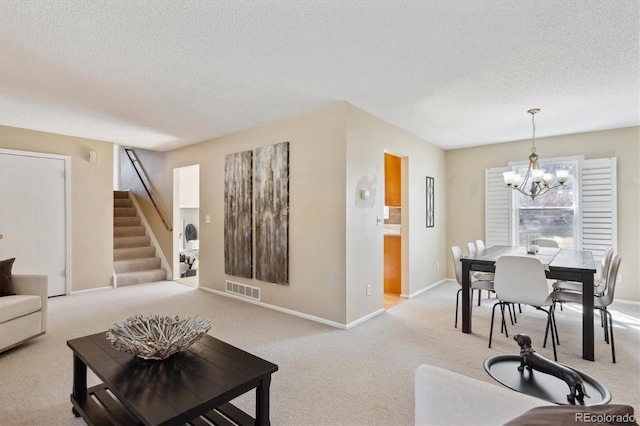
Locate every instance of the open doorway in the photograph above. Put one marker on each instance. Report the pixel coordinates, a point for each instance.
(395, 223)
(186, 224)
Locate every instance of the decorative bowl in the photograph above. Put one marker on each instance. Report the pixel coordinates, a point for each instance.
(156, 336)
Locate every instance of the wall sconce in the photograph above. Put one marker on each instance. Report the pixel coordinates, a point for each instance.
(93, 157)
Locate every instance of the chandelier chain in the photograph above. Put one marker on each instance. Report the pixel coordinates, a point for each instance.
(533, 125)
(541, 182)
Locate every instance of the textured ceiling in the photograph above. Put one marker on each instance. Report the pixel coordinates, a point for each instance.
(164, 74)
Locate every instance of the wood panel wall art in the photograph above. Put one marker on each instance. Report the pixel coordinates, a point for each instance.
(271, 176)
(238, 230)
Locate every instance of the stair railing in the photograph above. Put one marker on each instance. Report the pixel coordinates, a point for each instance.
(134, 161)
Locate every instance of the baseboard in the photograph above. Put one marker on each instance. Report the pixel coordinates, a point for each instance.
(622, 301)
(318, 319)
(419, 292)
(365, 318)
(626, 302)
(91, 289)
(279, 309)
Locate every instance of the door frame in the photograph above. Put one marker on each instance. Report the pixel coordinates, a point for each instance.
(177, 228)
(67, 204)
(404, 229)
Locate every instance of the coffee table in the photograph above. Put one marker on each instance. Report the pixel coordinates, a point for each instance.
(187, 387)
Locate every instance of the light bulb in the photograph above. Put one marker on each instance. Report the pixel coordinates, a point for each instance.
(517, 179)
(537, 174)
(562, 176)
(508, 177)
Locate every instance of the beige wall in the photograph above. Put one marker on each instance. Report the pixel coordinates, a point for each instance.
(317, 206)
(335, 244)
(465, 186)
(367, 139)
(91, 200)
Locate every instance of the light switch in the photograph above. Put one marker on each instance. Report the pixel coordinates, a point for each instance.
(207, 219)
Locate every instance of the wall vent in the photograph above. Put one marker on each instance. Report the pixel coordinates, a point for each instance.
(243, 290)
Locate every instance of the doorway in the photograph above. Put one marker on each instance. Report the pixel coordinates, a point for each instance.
(34, 215)
(186, 225)
(395, 225)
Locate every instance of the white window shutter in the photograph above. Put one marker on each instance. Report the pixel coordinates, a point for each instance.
(497, 208)
(599, 206)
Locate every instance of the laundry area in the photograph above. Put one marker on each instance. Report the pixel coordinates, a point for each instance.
(189, 208)
(190, 245)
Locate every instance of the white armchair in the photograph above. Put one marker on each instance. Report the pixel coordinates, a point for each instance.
(23, 316)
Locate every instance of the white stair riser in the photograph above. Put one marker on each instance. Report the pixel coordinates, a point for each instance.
(124, 212)
(128, 231)
(136, 265)
(133, 253)
(126, 221)
(131, 278)
(122, 202)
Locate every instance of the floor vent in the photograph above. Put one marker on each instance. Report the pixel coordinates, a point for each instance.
(243, 290)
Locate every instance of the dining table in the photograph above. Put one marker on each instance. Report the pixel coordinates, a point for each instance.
(560, 264)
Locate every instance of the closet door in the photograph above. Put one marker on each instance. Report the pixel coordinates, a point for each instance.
(33, 215)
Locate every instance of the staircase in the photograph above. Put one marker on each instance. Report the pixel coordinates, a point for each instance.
(134, 258)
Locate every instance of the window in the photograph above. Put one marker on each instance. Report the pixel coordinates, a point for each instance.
(581, 215)
(552, 216)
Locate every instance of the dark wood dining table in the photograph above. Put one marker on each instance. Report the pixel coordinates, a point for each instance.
(563, 264)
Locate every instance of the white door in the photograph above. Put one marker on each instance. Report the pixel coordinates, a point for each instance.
(33, 215)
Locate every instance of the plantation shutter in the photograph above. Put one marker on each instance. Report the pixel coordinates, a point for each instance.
(599, 206)
(497, 208)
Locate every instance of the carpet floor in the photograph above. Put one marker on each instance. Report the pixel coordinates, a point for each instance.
(326, 376)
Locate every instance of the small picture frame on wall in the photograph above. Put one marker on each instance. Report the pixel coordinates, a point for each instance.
(430, 203)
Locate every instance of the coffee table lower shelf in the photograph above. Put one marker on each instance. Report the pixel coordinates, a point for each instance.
(101, 407)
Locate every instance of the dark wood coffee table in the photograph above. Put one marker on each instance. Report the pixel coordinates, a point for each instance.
(187, 387)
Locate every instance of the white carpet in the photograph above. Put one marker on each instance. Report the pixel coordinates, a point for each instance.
(326, 376)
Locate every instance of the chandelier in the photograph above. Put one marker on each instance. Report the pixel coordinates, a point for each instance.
(541, 182)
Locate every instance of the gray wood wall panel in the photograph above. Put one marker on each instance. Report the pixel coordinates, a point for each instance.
(238, 196)
(271, 174)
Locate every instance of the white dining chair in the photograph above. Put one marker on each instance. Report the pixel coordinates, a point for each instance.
(600, 282)
(480, 285)
(471, 248)
(479, 275)
(543, 242)
(480, 245)
(600, 302)
(522, 280)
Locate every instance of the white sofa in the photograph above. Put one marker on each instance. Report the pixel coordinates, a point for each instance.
(446, 398)
(23, 316)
